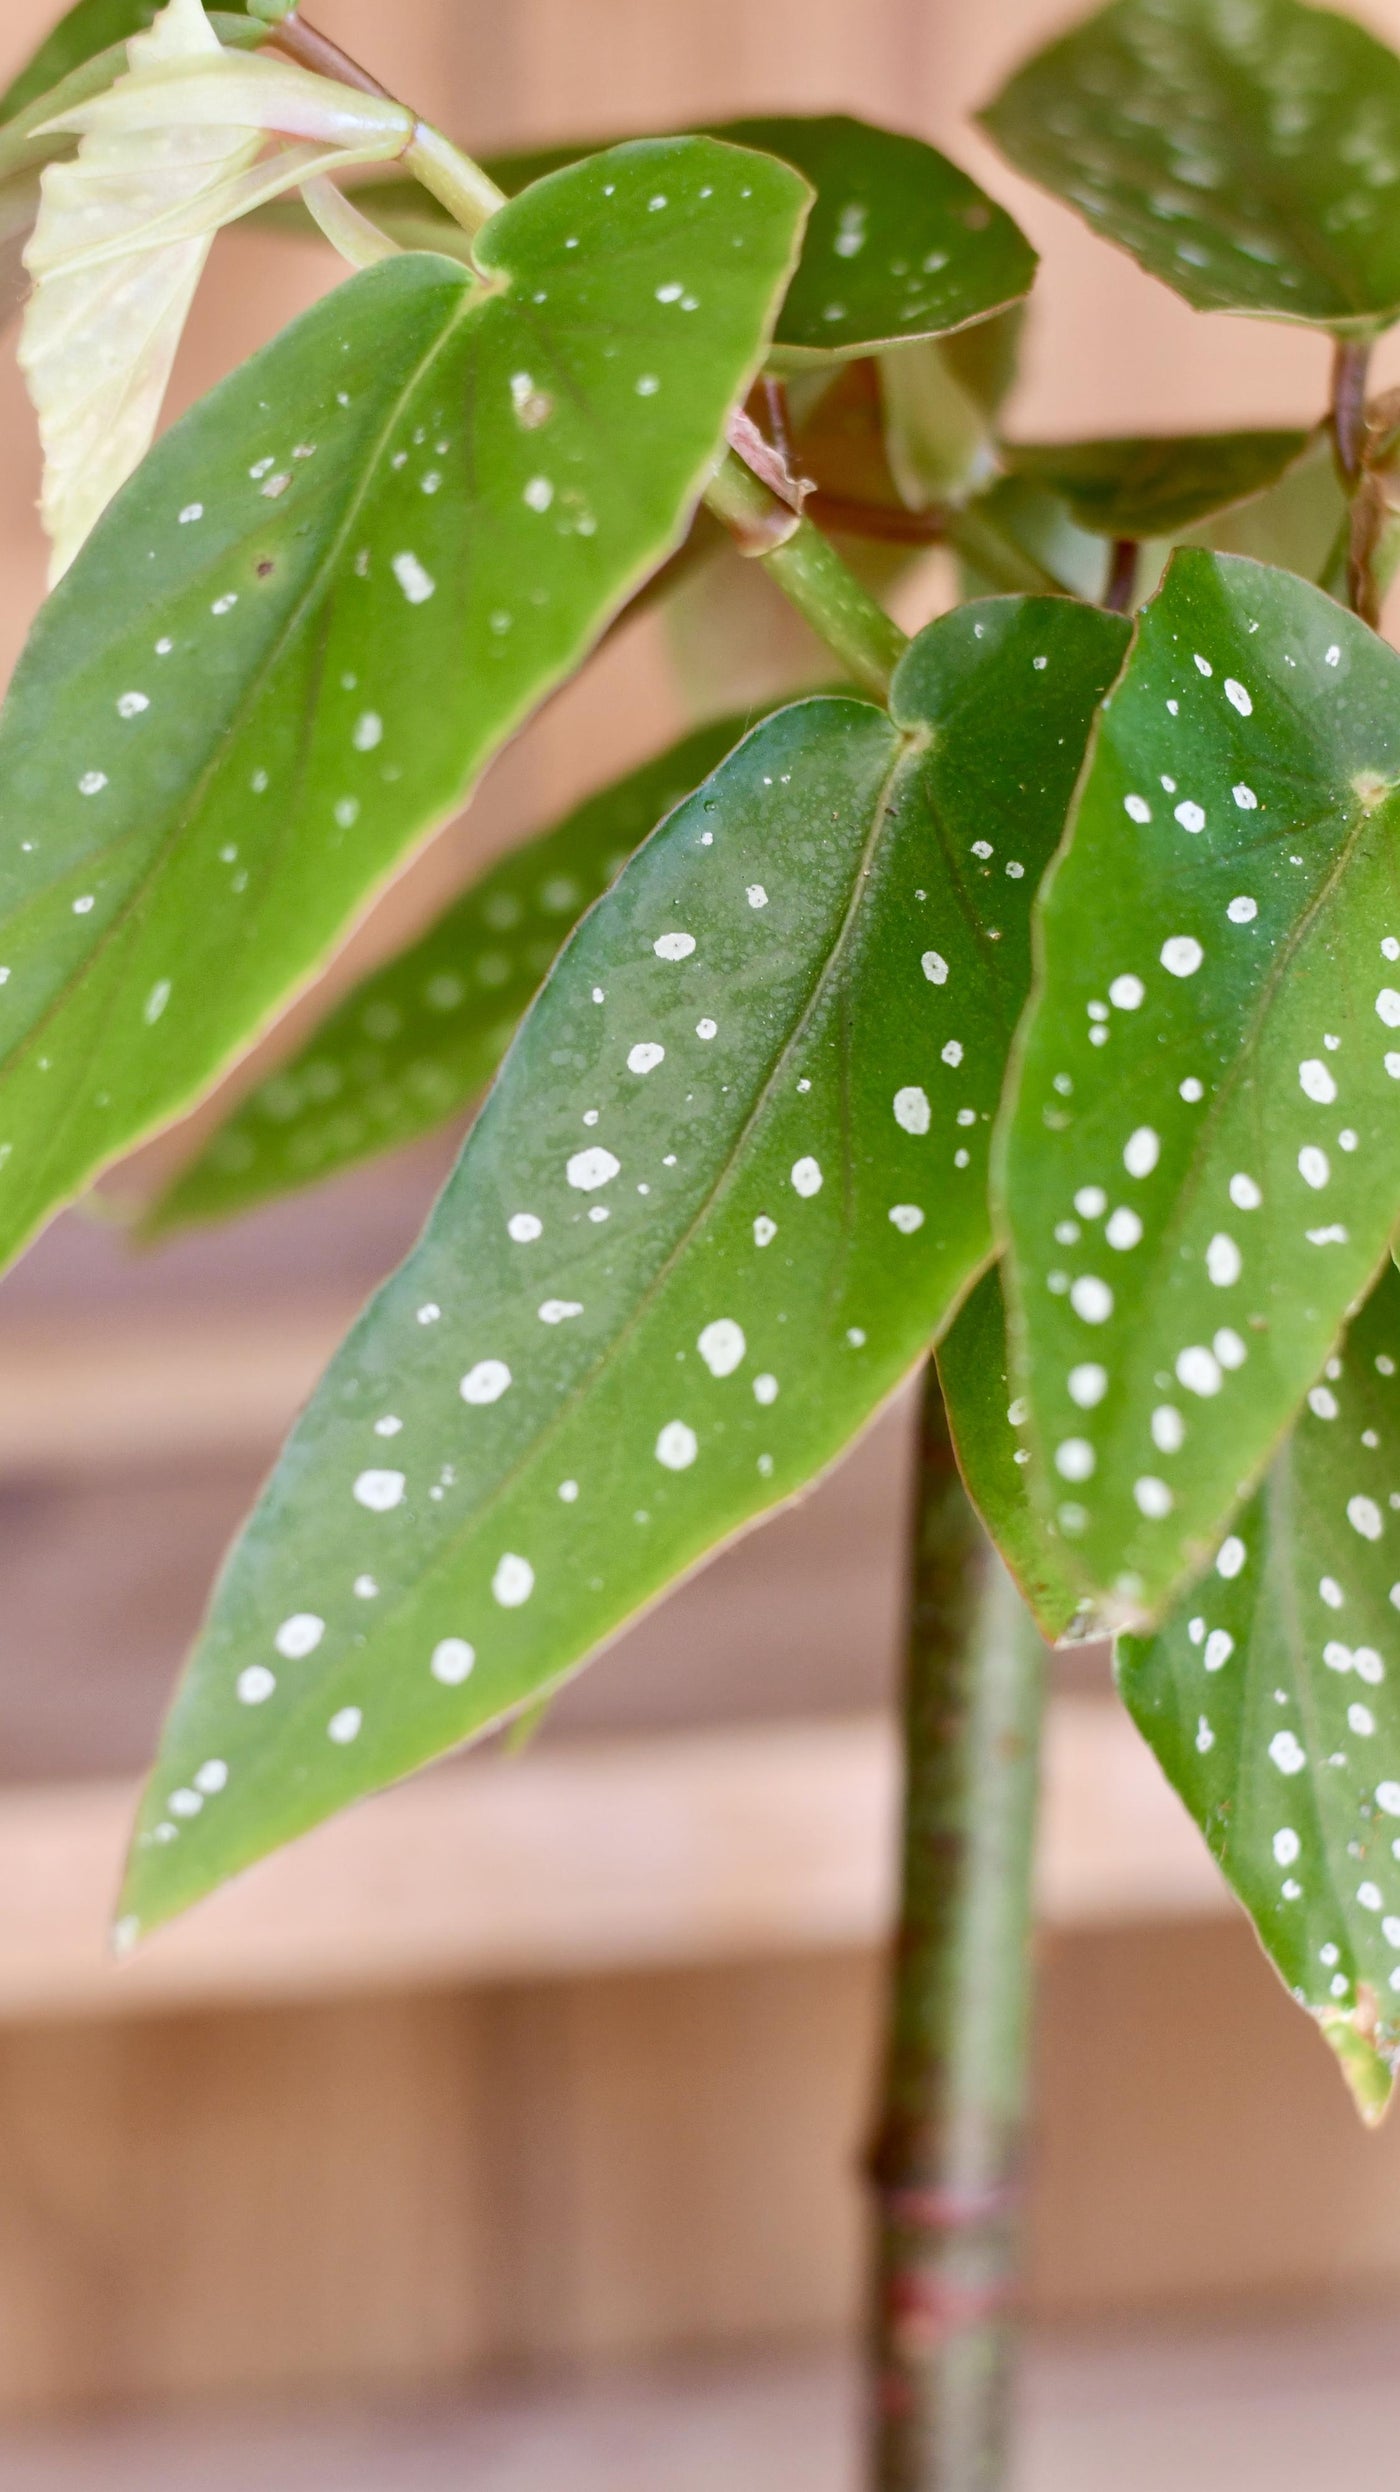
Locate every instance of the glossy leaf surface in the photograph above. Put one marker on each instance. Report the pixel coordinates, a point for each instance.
(1247, 152)
(416, 1041)
(324, 601)
(729, 1185)
(1156, 488)
(1273, 1702)
(1201, 1175)
(900, 244)
(987, 1423)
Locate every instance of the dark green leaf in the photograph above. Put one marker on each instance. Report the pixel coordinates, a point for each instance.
(1201, 1178)
(1156, 488)
(1296, 523)
(324, 601)
(901, 244)
(728, 1187)
(1273, 1702)
(416, 1041)
(987, 1426)
(1247, 152)
(1019, 522)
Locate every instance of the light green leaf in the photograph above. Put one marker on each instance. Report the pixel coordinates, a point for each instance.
(1156, 488)
(95, 34)
(730, 1184)
(1272, 1700)
(987, 1425)
(1246, 152)
(418, 1039)
(1201, 1176)
(324, 601)
(27, 143)
(901, 244)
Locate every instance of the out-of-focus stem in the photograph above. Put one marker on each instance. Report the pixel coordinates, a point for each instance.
(945, 2168)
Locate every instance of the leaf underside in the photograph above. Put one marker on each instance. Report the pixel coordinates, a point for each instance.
(729, 1185)
(1197, 1181)
(1272, 1700)
(424, 482)
(1246, 152)
(418, 1039)
(1157, 487)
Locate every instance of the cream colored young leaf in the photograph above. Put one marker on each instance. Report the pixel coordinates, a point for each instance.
(167, 155)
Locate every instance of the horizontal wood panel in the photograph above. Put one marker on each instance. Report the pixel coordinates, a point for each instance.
(591, 1856)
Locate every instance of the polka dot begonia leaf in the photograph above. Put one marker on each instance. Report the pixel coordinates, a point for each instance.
(730, 1183)
(417, 1040)
(1272, 1699)
(1200, 1176)
(325, 600)
(1247, 152)
(901, 243)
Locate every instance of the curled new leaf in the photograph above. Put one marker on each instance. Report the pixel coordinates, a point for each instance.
(168, 154)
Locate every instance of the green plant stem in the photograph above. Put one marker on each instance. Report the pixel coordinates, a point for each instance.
(810, 573)
(1351, 363)
(468, 194)
(945, 2164)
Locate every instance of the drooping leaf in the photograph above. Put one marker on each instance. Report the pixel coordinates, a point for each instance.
(901, 244)
(1247, 152)
(327, 597)
(728, 1187)
(418, 1039)
(28, 143)
(1272, 1699)
(1201, 1175)
(1156, 488)
(987, 1425)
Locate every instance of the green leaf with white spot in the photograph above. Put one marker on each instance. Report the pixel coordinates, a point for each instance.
(900, 244)
(1156, 487)
(324, 601)
(987, 1425)
(1247, 152)
(1200, 1177)
(730, 1184)
(416, 1041)
(1272, 1700)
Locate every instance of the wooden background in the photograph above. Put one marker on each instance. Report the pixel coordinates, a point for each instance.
(395, 2187)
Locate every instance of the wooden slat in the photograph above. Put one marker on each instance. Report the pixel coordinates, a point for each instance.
(101, 1391)
(706, 1847)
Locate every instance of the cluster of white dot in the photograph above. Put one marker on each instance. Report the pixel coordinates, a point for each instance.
(1316, 1865)
(1202, 1366)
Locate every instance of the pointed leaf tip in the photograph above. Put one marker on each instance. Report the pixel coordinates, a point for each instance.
(1369, 2073)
